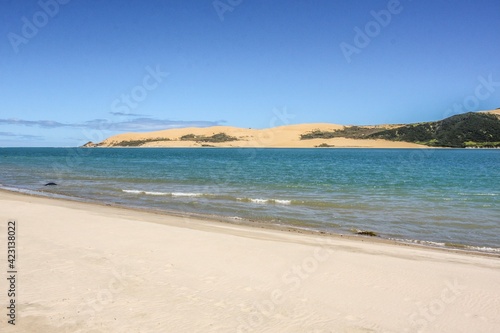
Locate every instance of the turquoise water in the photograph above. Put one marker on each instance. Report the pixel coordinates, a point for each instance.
(437, 195)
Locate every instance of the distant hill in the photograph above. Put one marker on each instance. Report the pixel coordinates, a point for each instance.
(473, 129)
(463, 130)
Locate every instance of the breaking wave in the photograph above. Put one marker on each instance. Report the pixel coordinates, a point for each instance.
(211, 196)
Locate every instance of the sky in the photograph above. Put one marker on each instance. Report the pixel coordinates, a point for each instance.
(74, 71)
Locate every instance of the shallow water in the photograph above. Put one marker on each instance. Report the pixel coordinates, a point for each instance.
(432, 195)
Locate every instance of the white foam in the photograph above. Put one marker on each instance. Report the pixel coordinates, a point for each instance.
(480, 194)
(188, 194)
(133, 191)
(485, 249)
(416, 241)
(283, 202)
(265, 201)
(174, 194)
(259, 201)
(156, 193)
(439, 244)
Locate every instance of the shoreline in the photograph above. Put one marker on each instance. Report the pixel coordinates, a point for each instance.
(253, 224)
(257, 147)
(97, 268)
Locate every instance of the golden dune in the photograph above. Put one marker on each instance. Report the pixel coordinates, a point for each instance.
(277, 137)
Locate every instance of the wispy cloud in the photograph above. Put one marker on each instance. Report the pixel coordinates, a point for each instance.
(138, 124)
(39, 123)
(20, 136)
(128, 114)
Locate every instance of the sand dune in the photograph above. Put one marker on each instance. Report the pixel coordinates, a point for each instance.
(496, 112)
(88, 268)
(282, 137)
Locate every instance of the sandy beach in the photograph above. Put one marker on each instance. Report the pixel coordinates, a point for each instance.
(93, 268)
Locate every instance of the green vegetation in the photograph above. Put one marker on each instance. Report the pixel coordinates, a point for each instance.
(137, 143)
(89, 144)
(188, 137)
(464, 130)
(468, 130)
(219, 137)
(324, 145)
(317, 134)
(353, 132)
(358, 132)
(472, 144)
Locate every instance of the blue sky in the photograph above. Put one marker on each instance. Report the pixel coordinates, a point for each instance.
(73, 71)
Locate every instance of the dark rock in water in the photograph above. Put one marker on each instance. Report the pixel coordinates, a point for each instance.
(50, 184)
(367, 233)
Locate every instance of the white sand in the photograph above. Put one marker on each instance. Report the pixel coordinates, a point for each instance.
(89, 268)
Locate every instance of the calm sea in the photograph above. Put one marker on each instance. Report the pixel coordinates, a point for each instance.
(447, 197)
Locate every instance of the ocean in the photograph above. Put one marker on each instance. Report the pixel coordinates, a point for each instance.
(440, 197)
